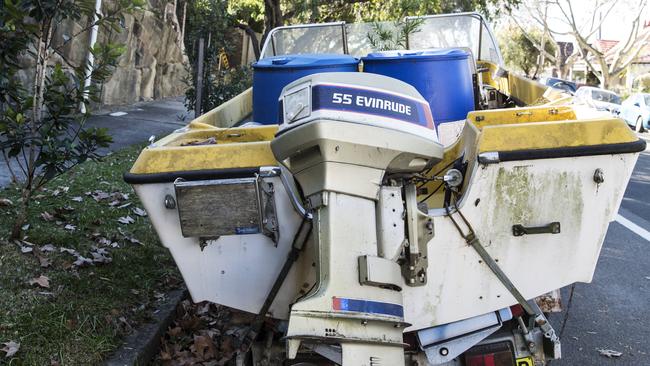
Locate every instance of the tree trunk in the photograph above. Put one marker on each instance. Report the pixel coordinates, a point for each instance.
(605, 79)
(21, 215)
(272, 17)
(253, 37)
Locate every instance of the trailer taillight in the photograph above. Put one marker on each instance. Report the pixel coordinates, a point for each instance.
(494, 354)
(517, 310)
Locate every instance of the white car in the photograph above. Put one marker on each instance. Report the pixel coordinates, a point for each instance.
(601, 99)
(635, 110)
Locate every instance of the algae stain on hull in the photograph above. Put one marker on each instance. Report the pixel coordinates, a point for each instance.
(513, 188)
(532, 198)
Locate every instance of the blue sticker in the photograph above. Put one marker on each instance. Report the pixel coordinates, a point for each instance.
(247, 230)
(367, 306)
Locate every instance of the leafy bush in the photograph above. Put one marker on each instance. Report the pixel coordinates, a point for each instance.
(219, 87)
(42, 131)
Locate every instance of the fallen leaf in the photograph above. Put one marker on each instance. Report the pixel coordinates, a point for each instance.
(203, 347)
(67, 250)
(165, 357)
(43, 261)
(42, 281)
(107, 242)
(47, 248)
(82, 261)
(25, 250)
(132, 239)
(174, 332)
(609, 353)
(10, 348)
(101, 255)
(6, 202)
(140, 212)
(77, 199)
(126, 220)
(99, 195)
(114, 203)
(70, 227)
(47, 216)
(203, 308)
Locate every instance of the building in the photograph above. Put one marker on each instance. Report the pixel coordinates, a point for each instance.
(626, 81)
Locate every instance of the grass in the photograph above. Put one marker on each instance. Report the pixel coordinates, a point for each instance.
(87, 310)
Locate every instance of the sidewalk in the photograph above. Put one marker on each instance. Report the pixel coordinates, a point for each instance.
(136, 125)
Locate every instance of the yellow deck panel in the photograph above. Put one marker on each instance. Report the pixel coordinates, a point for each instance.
(549, 135)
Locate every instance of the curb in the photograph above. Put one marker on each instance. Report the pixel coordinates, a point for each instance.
(141, 347)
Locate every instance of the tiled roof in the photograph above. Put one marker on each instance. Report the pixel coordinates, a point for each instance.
(604, 45)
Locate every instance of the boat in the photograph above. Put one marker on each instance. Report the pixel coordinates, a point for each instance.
(373, 216)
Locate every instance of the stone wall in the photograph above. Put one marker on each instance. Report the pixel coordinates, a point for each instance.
(153, 65)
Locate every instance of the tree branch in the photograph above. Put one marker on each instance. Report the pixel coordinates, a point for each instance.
(253, 37)
(534, 42)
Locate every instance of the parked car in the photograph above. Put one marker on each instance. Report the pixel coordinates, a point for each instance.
(566, 85)
(635, 110)
(601, 99)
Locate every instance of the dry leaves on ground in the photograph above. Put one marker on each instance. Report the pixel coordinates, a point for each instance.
(126, 220)
(610, 353)
(60, 190)
(128, 237)
(140, 212)
(47, 248)
(42, 281)
(10, 348)
(98, 255)
(203, 334)
(99, 195)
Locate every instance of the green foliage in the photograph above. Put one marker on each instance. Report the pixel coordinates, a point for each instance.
(41, 129)
(315, 11)
(520, 53)
(209, 19)
(249, 12)
(642, 83)
(384, 39)
(220, 86)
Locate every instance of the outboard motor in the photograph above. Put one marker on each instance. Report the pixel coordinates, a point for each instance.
(342, 135)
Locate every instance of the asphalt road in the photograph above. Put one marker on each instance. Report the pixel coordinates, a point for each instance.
(129, 125)
(613, 312)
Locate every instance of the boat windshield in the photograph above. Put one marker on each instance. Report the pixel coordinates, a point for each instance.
(462, 30)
